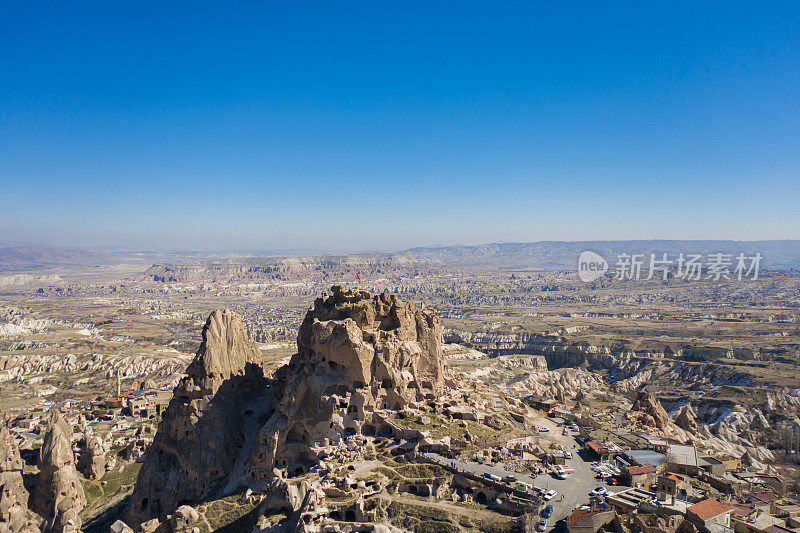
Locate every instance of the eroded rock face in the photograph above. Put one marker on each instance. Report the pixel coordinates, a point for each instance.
(205, 425)
(92, 458)
(358, 354)
(648, 410)
(14, 514)
(686, 420)
(59, 496)
(360, 357)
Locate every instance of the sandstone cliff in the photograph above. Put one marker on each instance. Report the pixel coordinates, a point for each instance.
(206, 422)
(647, 410)
(14, 514)
(358, 354)
(59, 496)
(360, 357)
(686, 420)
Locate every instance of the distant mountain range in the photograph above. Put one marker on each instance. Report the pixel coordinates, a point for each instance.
(542, 255)
(561, 255)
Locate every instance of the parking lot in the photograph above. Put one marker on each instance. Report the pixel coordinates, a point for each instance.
(572, 492)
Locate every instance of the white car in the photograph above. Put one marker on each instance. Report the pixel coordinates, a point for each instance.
(542, 525)
(599, 491)
(568, 455)
(543, 429)
(549, 495)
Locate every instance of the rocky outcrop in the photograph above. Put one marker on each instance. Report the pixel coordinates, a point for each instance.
(14, 514)
(360, 357)
(92, 458)
(59, 496)
(358, 354)
(686, 420)
(647, 410)
(205, 424)
(29, 369)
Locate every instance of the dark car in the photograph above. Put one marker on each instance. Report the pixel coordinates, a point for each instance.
(548, 511)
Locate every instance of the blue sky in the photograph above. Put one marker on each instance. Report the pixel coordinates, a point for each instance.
(377, 125)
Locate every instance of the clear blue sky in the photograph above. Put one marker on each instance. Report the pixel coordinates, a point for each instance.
(379, 125)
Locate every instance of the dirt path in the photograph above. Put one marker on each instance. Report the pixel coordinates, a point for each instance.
(443, 504)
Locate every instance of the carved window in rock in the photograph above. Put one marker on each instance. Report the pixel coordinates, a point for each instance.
(297, 434)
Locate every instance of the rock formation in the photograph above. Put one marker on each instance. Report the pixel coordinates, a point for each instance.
(59, 494)
(14, 514)
(358, 354)
(360, 357)
(92, 458)
(647, 410)
(204, 425)
(686, 420)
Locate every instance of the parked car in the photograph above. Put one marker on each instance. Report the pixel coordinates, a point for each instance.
(543, 429)
(510, 478)
(548, 511)
(599, 491)
(549, 495)
(612, 481)
(542, 525)
(568, 455)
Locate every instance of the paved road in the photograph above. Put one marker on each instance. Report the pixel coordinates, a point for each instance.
(575, 488)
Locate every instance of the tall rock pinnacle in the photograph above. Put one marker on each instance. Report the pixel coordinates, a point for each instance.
(203, 427)
(59, 495)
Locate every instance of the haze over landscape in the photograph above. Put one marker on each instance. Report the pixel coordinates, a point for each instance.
(376, 268)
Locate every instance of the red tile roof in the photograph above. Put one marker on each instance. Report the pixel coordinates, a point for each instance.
(594, 445)
(637, 470)
(579, 515)
(708, 509)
